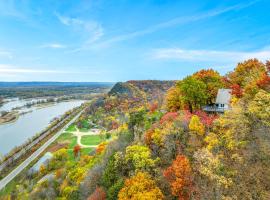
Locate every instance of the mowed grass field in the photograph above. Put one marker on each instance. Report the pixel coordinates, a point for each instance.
(68, 137)
(91, 140)
(71, 140)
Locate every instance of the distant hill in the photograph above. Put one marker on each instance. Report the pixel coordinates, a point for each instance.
(151, 89)
(60, 84)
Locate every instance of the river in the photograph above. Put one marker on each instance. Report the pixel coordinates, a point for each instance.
(29, 124)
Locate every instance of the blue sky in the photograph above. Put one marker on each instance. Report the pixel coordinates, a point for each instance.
(119, 40)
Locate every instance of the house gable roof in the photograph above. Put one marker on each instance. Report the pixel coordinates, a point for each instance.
(223, 96)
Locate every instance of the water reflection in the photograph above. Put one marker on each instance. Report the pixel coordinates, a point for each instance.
(28, 125)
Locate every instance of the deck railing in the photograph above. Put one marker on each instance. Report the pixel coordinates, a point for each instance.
(214, 109)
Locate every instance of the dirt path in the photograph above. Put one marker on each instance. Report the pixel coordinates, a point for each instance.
(79, 135)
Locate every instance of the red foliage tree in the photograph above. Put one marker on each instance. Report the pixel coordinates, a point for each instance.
(187, 116)
(169, 117)
(153, 106)
(237, 90)
(76, 150)
(115, 125)
(206, 119)
(179, 177)
(264, 81)
(98, 194)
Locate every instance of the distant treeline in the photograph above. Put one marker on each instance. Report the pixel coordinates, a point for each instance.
(67, 84)
(52, 89)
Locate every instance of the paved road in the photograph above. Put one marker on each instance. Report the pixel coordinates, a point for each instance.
(25, 163)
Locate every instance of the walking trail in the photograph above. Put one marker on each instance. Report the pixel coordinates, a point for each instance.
(79, 135)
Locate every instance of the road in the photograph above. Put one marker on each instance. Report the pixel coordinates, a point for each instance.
(26, 162)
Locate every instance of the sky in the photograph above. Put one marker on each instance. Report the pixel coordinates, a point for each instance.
(120, 40)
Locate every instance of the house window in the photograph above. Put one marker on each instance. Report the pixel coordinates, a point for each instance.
(222, 105)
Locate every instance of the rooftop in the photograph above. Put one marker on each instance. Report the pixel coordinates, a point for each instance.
(223, 96)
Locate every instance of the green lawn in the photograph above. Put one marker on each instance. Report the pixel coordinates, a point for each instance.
(73, 142)
(71, 128)
(65, 136)
(86, 151)
(91, 140)
(68, 137)
(8, 189)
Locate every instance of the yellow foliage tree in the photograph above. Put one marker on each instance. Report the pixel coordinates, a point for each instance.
(141, 186)
(196, 125)
(260, 107)
(173, 99)
(42, 169)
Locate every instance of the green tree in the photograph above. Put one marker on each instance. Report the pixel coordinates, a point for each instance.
(136, 123)
(213, 82)
(194, 92)
(114, 190)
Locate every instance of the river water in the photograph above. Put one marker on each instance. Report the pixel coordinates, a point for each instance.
(29, 124)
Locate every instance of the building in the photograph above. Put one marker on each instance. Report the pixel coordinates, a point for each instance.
(222, 102)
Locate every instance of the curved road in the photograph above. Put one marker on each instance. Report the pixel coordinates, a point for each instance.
(32, 157)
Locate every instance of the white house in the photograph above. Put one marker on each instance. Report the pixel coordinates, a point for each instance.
(222, 103)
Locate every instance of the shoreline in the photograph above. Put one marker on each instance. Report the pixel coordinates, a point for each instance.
(13, 117)
(15, 113)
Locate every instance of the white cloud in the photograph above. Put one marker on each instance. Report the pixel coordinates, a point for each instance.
(89, 28)
(208, 55)
(53, 46)
(174, 22)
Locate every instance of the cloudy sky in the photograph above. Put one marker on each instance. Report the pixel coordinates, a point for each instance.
(118, 40)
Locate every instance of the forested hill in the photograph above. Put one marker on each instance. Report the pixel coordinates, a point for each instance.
(149, 88)
(157, 147)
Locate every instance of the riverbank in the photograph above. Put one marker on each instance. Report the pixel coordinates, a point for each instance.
(18, 157)
(9, 117)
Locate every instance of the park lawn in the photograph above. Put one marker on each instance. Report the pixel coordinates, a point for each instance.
(86, 151)
(8, 189)
(91, 140)
(65, 136)
(71, 128)
(73, 142)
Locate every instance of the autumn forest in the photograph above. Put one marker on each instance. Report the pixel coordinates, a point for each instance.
(158, 142)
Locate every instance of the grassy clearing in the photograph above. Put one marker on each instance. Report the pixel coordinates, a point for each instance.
(71, 128)
(91, 140)
(8, 189)
(73, 142)
(86, 151)
(65, 136)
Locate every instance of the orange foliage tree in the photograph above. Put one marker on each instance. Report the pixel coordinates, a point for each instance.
(179, 177)
(153, 106)
(100, 148)
(236, 90)
(98, 194)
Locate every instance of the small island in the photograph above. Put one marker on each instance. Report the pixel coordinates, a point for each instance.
(8, 117)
